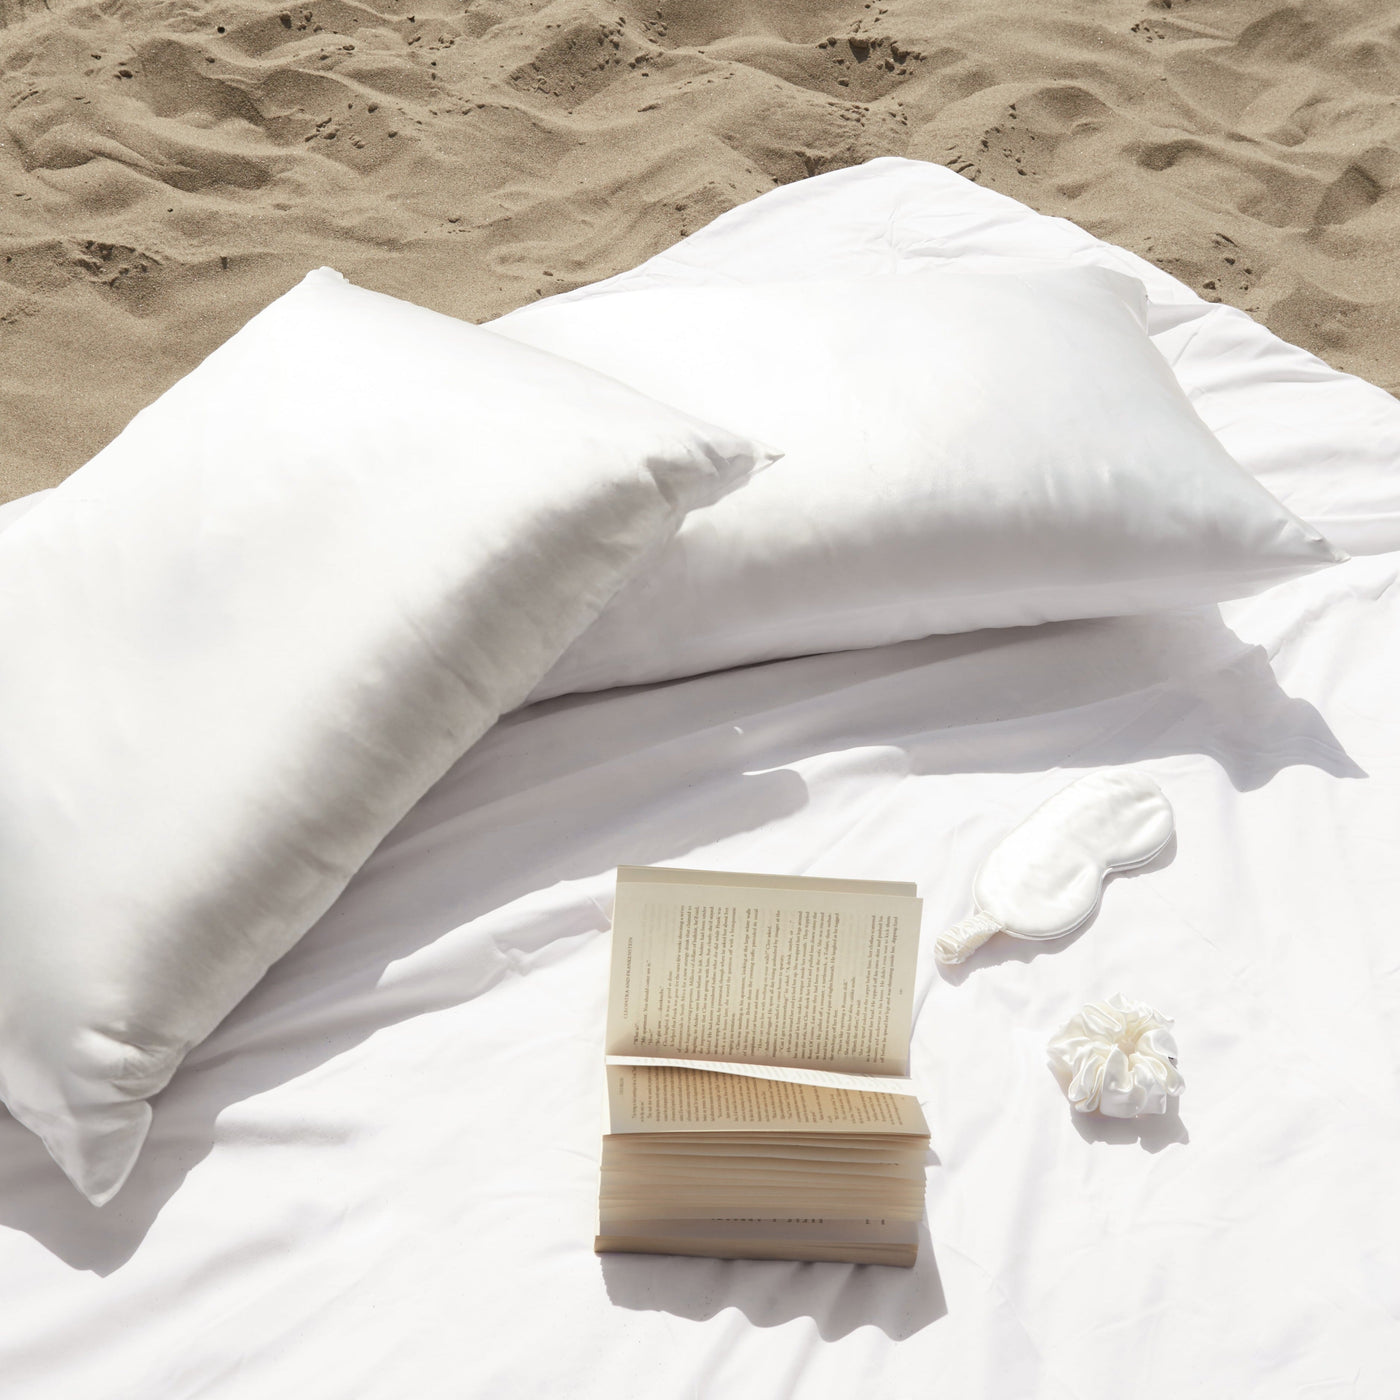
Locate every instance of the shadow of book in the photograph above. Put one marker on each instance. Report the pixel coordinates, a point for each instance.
(837, 1297)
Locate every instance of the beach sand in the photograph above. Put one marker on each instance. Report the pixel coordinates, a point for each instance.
(168, 167)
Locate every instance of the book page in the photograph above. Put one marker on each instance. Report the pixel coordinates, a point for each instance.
(822, 1078)
(665, 1100)
(778, 971)
(675, 875)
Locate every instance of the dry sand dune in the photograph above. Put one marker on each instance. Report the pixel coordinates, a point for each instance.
(169, 166)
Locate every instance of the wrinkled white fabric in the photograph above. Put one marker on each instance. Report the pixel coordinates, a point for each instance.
(378, 1177)
(961, 450)
(1044, 878)
(1327, 444)
(244, 639)
(1116, 1057)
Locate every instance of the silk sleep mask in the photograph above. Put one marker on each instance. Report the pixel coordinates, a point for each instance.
(1044, 879)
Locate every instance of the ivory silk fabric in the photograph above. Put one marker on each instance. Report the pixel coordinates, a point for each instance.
(1324, 443)
(961, 450)
(378, 1176)
(245, 638)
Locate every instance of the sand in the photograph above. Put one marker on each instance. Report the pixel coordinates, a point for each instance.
(170, 166)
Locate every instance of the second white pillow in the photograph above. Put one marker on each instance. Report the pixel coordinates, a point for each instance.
(961, 451)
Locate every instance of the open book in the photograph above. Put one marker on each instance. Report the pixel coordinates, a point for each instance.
(757, 1047)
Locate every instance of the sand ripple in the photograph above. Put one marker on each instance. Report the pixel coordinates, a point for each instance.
(168, 167)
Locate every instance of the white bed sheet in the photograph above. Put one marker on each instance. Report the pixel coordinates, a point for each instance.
(377, 1178)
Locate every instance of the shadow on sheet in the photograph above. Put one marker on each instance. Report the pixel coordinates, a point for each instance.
(566, 790)
(837, 1297)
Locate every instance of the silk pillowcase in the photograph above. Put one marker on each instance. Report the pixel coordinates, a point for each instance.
(1325, 443)
(246, 637)
(961, 450)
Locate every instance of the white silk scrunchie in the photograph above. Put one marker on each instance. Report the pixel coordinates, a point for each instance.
(1118, 1058)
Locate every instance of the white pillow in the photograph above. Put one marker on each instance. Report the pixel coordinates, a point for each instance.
(249, 634)
(961, 451)
(1327, 444)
